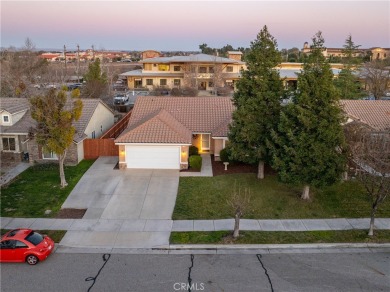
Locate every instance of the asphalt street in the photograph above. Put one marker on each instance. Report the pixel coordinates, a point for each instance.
(231, 272)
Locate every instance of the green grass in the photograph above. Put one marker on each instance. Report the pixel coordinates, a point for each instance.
(206, 198)
(280, 237)
(56, 235)
(38, 189)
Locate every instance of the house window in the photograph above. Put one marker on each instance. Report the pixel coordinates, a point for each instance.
(149, 81)
(202, 69)
(229, 69)
(47, 154)
(6, 119)
(93, 135)
(211, 69)
(211, 84)
(9, 144)
(176, 82)
(163, 82)
(163, 67)
(176, 68)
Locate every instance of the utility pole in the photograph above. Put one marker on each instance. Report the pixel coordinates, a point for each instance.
(93, 52)
(78, 63)
(65, 63)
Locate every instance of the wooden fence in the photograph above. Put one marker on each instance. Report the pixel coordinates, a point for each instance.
(93, 148)
(118, 128)
(105, 145)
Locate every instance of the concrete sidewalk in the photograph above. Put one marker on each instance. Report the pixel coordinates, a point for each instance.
(133, 235)
(14, 172)
(161, 225)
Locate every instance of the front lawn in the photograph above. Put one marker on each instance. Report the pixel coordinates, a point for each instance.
(280, 237)
(206, 198)
(38, 189)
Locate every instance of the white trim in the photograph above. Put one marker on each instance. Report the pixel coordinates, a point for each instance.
(151, 144)
(9, 119)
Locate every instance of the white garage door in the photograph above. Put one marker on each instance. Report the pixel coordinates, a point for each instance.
(159, 157)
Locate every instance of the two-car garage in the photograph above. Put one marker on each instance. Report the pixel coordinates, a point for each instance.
(158, 157)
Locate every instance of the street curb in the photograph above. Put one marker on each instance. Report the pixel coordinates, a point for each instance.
(237, 249)
(278, 246)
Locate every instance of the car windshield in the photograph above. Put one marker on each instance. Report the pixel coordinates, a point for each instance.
(34, 237)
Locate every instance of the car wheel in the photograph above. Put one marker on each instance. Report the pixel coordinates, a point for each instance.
(32, 259)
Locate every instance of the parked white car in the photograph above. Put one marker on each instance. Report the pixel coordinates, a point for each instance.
(121, 98)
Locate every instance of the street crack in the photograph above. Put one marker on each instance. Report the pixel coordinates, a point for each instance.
(265, 271)
(105, 257)
(189, 273)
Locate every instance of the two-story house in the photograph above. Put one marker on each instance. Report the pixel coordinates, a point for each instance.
(204, 72)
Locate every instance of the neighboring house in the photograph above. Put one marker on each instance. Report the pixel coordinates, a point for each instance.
(374, 114)
(162, 128)
(200, 71)
(17, 125)
(376, 53)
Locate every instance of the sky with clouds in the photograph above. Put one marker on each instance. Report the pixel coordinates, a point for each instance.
(184, 25)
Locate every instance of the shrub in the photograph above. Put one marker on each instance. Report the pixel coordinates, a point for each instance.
(195, 162)
(224, 155)
(175, 92)
(193, 150)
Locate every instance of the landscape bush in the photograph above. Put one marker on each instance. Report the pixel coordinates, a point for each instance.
(195, 162)
(193, 150)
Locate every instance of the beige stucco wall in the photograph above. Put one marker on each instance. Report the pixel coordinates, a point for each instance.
(80, 151)
(102, 120)
(218, 146)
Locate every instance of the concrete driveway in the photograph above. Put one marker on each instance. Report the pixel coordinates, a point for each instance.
(125, 208)
(110, 193)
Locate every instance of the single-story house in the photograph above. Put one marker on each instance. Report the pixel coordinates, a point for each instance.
(374, 114)
(162, 128)
(16, 126)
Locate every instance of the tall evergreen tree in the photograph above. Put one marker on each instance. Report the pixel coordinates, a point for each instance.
(96, 81)
(308, 144)
(347, 83)
(257, 102)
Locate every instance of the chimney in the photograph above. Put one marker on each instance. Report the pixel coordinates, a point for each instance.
(235, 55)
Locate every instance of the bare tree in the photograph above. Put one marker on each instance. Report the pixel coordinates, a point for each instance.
(370, 159)
(376, 76)
(239, 202)
(20, 68)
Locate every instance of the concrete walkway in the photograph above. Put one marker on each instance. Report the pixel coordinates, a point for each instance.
(14, 172)
(206, 170)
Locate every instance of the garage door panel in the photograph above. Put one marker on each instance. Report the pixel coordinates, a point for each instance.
(158, 157)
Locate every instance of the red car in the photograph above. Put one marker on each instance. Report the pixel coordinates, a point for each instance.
(25, 245)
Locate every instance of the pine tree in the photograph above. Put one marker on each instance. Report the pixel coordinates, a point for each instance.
(347, 83)
(257, 102)
(96, 81)
(308, 143)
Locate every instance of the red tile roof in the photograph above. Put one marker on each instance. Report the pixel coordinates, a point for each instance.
(159, 128)
(181, 115)
(374, 113)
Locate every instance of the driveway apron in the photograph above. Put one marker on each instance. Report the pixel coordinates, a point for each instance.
(129, 208)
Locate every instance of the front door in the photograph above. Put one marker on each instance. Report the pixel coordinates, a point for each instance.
(205, 142)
